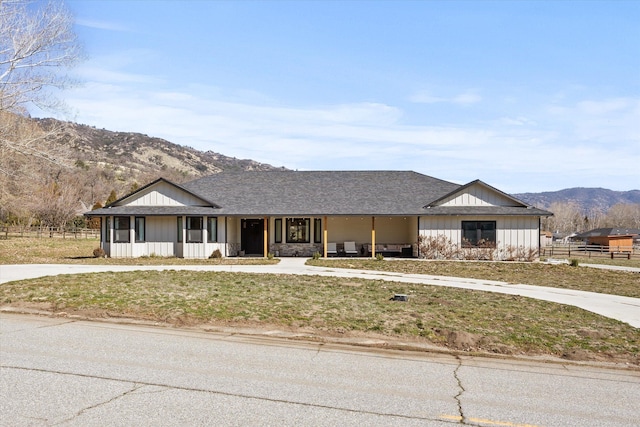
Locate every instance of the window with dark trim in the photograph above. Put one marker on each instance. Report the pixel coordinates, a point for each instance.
(212, 229)
(479, 234)
(121, 227)
(140, 229)
(194, 229)
(107, 229)
(317, 230)
(277, 232)
(298, 230)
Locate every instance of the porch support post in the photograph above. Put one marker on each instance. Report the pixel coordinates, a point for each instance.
(266, 236)
(324, 236)
(373, 237)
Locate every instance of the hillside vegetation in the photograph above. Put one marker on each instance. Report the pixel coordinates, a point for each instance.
(50, 170)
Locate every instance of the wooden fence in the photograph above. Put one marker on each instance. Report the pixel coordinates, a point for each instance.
(49, 232)
(590, 251)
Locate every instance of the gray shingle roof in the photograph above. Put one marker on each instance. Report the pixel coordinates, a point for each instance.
(155, 211)
(320, 192)
(599, 232)
(317, 193)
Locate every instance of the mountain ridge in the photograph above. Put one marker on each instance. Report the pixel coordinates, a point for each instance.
(586, 198)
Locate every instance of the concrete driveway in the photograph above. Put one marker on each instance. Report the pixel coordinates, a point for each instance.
(625, 309)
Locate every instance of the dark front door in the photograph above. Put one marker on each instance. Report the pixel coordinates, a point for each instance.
(252, 237)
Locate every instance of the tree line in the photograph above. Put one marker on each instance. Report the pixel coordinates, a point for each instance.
(569, 217)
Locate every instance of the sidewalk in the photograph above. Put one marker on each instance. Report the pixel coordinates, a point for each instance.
(625, 309)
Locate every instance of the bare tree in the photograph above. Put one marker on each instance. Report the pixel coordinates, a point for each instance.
(37, 43)
(56, 201)
(567, 218)
(623, 215)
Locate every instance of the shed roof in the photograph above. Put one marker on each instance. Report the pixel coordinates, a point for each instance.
(601, 232)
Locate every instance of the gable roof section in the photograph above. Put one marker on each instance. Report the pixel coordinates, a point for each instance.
(293, 193)
(503, 204)
(124, 206)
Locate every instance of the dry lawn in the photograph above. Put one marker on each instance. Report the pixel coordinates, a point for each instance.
(538, 274)
(457, 319)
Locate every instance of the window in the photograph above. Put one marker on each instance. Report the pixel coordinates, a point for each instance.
(107, 230)
(194, 229)
(121, 227)
(317, 230)
(298, 230)
(277, 224)
(481, 234)
(179, 229)
(212, 229)
(140, 229)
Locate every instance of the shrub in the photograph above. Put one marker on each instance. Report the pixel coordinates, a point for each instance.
(99, 253)
(379, 257)
(439, 247)
(316, 255)
(269, 255)
(216, 254)
(574, 263)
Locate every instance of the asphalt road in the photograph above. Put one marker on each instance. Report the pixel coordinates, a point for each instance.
(63, 372)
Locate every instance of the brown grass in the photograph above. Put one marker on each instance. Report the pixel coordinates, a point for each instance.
(453, 318)
(538, 274)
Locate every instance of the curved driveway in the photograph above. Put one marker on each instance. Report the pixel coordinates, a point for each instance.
(625, 309)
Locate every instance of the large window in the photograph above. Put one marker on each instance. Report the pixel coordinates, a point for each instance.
(481, 234)
(121, 228)
(140, 229)
(212, 229)
(298, 230)
(194, 229)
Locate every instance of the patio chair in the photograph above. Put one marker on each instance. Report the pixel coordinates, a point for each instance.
(332, 249)
(350, 249)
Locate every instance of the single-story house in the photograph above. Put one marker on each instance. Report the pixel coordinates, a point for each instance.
(615, 239)
(292, 213)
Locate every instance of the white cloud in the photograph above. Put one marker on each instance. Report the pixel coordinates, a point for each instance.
(559, 147)
(101, 25)
(465, 98)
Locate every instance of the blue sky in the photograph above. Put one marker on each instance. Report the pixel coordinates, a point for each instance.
(526, 96)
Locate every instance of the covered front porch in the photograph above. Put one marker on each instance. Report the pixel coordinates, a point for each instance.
(341, 235)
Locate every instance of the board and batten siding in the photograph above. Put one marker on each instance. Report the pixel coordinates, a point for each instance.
(163, 194)
(477, 195)
(160, 240)
(514, 231)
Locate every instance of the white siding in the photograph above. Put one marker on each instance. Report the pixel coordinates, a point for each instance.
(163, 194)
(477, 195)
(511, 232)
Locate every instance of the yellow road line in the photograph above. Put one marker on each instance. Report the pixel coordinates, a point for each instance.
(487, 422)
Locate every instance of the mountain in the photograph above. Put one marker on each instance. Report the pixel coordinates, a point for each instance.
(42, 158)
(587, 199)
(139, 153)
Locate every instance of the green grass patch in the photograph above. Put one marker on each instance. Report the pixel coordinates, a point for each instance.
(538, 274)
(459, 319)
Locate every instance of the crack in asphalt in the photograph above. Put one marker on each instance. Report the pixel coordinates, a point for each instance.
(139, 384)
(135, 387)
(461, 390)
